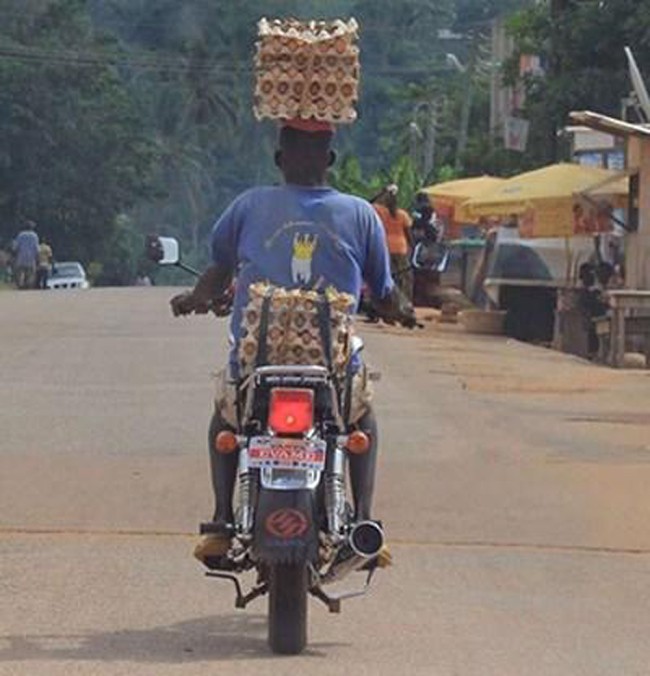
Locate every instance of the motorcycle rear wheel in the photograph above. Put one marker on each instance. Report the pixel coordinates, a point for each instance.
(288, 608)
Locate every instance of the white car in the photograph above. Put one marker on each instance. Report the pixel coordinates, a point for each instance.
(67, 275)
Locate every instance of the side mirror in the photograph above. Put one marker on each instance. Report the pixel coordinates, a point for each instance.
(166, 251)
(162, 250)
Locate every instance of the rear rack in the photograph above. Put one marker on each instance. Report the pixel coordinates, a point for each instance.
(292, 370)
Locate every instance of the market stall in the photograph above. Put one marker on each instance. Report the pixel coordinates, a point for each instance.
(554, 214)
(447, 197)
(629, 307)
(559, 200)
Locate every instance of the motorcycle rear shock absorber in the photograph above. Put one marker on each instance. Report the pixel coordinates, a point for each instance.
(248, 489)
(335, 492)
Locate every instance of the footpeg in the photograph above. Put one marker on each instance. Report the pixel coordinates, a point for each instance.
(216, 528)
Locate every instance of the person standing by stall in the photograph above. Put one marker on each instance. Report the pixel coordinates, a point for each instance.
(397, 224)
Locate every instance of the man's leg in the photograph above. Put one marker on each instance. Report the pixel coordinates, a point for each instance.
(407, 279)
(362, 470)
(21, 277)
(395, 269)
(400, 268)
(31, 278)
(223, 468)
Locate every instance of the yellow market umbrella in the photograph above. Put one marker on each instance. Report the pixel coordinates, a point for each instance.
(615, 189)
(448, 196)
(547, 200)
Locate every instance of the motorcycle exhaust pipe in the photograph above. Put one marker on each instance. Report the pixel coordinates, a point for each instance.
(364, 543)
(366, 539)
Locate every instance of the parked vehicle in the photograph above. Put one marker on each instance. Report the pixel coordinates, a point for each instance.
(293, 523)
(68, 275)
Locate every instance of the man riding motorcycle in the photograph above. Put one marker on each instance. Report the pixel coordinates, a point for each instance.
(306, 235)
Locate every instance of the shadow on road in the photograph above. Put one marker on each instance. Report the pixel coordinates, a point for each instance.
(218, 638)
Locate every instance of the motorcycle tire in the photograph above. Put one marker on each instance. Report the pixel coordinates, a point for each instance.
(288, 608)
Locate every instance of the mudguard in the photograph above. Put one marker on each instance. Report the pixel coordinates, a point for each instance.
(286, 530)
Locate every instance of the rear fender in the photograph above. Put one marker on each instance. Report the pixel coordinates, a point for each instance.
(285, 529)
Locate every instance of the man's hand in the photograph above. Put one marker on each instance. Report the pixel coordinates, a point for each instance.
(211, 292)
(189, 302)
(186, 303)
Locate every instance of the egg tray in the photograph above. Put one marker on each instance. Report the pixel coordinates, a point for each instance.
(307, 70)
(293, 334)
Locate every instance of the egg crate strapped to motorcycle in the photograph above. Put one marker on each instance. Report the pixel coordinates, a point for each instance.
(307, 70)
(297, 326)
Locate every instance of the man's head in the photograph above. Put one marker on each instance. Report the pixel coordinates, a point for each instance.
(422, 200)
(389, 197)
(304, 156)
(30, 225)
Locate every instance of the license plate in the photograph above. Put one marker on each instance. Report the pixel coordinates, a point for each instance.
(286, 453)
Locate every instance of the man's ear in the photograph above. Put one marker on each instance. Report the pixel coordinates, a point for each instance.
(331, 158)
(277, 158)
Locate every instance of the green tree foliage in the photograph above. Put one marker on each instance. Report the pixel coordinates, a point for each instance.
(581, 43)
(350, 178)
(473, 12)
(73, 153)
(121, 117)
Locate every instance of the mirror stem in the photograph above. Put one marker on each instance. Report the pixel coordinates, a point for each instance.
(187, 268)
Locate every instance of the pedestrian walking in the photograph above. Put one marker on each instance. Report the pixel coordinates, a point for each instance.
(25, 249)
(397, 224)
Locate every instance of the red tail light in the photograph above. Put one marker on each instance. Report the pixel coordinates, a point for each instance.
(291, 411)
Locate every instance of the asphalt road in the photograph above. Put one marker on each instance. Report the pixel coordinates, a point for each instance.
(512, 483)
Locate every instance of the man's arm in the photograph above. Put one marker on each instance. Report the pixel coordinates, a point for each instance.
(210, 291)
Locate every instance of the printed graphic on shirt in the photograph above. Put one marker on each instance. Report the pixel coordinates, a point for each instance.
(304, 246)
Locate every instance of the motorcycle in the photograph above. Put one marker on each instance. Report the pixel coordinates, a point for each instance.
(293, 521)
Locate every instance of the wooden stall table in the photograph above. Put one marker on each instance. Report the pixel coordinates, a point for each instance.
(624, 302)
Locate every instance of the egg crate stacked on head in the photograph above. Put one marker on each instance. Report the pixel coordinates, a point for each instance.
(307, 70)
(294, 335)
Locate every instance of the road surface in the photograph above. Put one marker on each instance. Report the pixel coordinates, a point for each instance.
(513, 483)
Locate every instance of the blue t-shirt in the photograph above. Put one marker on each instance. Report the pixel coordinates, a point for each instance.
(298, 237)
(26, 249)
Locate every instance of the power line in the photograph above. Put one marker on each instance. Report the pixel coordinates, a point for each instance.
(155, 62)
(138, 62)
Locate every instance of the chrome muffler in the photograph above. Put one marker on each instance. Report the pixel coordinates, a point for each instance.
(363, 544)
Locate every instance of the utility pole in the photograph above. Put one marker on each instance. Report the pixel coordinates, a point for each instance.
(557, 10)
(430, 138)
(427, 140)
(500, 96)
(468, 73)
(415, 139)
